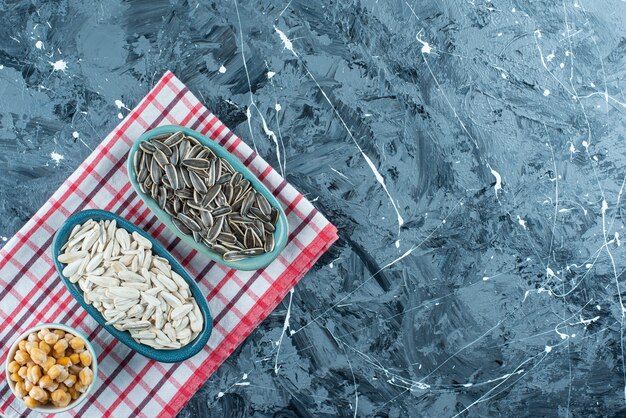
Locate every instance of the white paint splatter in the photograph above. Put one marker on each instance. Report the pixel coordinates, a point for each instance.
(1, 67)
(586, 145)
(498, 185)
(397, 243)
(56, 157)
(286, 41)
(605, 206)
(59, 65)
(617, 240)
(220, 394)
(75, 134)
(380, 180)
(39, 45)
(521, 221)
(222, 69)
(278, 107)
(5, 239)
(486, 278)
(285, 328)
(548, 348)
(270, 74)
(426, 48)
(120, 105)
(272, 135)
(562, 65)
(550, 56)
(546, 92)
(120, 116)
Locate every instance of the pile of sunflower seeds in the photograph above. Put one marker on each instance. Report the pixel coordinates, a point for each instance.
(205, 196)
(134, 290)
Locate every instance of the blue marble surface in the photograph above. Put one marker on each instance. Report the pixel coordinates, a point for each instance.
(471, 153)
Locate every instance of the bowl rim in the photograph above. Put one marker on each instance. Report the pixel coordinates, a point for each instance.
(281, 233)
(51, 409)
(163, 356)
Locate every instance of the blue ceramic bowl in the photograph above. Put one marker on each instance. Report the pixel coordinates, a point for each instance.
(252, 263)
(164, 356)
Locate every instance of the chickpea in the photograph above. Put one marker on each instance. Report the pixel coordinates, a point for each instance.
(46, 382)
(38, 355)
(30, 402)
(77, 343)
(34, 373)
(86, 376)
(59, 333)
(60, 346)
(45, 347)
(62, 387)
(55, 371)
(38, 394)
(21, 357)
(28, 385)
(64, 361)
(70, 381)
(74, 369)
(74, 393)
(75, 358)
(51, 338)
(57, 355)
(14, 366)
(33, 337)
(85, 358)
(22, 372)
(61, 398)
(22, 345)
(42, 333)
(19, 390)
(30, 345)
(69, 337)
(30, 363)
(16, 377)
(80, 387)
(64, 374)
(50, 361)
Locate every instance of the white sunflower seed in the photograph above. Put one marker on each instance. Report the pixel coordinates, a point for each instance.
(180, 311)
(67, 258)
(123, 292)
(141, 240)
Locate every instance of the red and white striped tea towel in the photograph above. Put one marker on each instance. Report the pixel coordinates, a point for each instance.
(129, 384)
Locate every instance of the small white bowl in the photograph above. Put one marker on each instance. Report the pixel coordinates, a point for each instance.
(50, 408)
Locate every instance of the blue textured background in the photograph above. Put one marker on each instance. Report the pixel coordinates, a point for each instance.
(497, 128)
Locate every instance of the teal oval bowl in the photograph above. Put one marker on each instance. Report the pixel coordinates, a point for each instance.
(252, 263)
(164, 356)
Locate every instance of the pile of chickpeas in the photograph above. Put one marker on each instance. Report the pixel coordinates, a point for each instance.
(51, 366)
